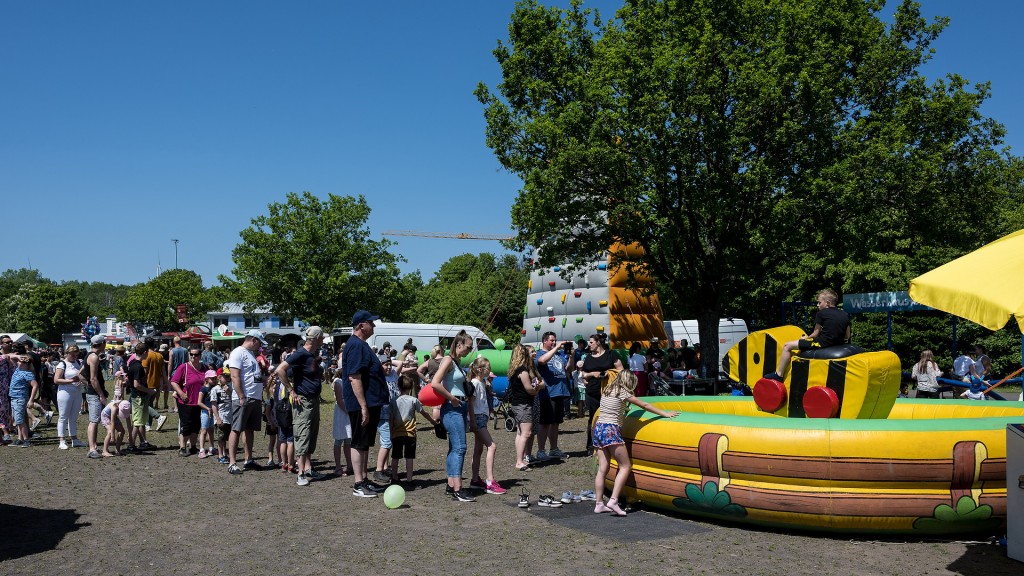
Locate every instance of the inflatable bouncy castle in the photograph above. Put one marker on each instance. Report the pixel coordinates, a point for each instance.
(829, 448)
(601, 300)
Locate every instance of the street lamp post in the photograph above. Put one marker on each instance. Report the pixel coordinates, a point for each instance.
(175, 240)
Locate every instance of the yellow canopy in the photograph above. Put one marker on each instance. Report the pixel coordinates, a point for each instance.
(985, 286)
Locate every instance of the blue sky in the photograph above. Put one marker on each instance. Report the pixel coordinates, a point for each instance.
(124, 124)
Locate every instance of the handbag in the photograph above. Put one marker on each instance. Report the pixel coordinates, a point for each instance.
(440, 431)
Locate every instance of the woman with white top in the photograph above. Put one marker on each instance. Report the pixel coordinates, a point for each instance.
(925, 373)
(67, 377)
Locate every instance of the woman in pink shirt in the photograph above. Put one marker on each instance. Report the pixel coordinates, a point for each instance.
(186, 382)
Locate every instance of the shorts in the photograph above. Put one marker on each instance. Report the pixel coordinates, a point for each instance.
(405, 447)
(551, 411)
(188, 419)
(384, 429)
(481, 421)
(19, 409)
(139, 410)
(285, 435)
(523, 413)
(808, 344)
(363, 436)
(306, 424)
(246, 417)
(205, 420)
(223, 431)
(105, 418)
(606, 435)
(95, 408)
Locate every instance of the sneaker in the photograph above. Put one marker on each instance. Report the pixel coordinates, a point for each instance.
(272, 464)
(149, 428)
(95, 455)
(212, 451)
(588, 495)
(774, 376)
(78, 444)
(251, 465)
(314, 475)
(374, 486)
(449, 491)
(28, 444)
(548, 502)
(145, 446)
(160, 422)
(131, 449)
(541, 456)
(223, 460)
(462, 496)
(193, 451)
(524, 500)
(527, 459)
(600, 508)
(302, 480)
(478, 483)
(63, 445)
(35, 423)
(381, 478)
(49, 416)
(568, 498)
(234, 469)
(15, 444)
(494, 488)
(363, 491)
(556, 453)
(202, 453)
(613, 506)
(183, 452)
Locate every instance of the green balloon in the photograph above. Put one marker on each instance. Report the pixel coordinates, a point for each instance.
(499, 343)
(394, 496)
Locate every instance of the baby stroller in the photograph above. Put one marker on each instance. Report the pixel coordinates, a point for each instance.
(502, 408)
(658, 386)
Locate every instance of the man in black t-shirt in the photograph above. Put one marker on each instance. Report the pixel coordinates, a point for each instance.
(140, 394)
(831, 328)
(302, 376)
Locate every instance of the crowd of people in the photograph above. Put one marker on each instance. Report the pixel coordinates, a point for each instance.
(221, 402)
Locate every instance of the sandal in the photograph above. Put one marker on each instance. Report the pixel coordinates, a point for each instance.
(524, 468)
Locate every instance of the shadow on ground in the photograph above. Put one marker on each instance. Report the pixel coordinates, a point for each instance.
(34, 530)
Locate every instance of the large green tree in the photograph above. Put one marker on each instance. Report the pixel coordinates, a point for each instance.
(756, 150)
(46, 311)
(154, 303)
(479, 290)
(313, 259)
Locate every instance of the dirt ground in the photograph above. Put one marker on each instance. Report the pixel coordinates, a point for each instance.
(159, 513)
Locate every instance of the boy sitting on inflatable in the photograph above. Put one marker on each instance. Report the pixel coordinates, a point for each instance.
(831, 328)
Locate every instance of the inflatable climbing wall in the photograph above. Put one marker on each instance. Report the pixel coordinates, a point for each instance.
(591, 302)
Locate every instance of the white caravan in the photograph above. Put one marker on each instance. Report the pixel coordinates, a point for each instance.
(730, 331)
(424, 336)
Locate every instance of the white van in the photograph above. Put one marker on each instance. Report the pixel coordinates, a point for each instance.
(730, 331)
(424, 336)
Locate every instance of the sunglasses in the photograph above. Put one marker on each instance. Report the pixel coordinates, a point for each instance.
(193, 354)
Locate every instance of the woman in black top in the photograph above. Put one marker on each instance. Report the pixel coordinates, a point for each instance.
(524, 382)
(594, 367)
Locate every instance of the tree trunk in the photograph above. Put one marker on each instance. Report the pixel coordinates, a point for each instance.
(707, 327)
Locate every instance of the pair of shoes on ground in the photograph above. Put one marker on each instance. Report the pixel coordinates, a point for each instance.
(74, 444)
(381, 478)
(612, 506)
(95, 454)
(548, 501)
(366, 489)
(20, 443)
(569, 498)
(587, 495)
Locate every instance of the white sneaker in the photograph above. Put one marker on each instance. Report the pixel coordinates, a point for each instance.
(78, 444)
(63, 445)
(160, 422)
(302, 480)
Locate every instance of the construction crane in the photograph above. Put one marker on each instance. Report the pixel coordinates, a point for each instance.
(456, 235)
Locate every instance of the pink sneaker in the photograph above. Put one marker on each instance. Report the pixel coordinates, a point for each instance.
(600, 508)
(203, 454)
(494, 488)
(613, 505)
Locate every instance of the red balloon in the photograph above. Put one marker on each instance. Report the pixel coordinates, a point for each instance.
(429, 397)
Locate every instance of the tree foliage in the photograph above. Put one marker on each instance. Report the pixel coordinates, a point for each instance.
(314, 259)
(758, 151)
(479, 290)
(46, 311)
(154, 303)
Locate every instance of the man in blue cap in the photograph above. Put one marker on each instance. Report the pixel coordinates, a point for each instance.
(364, 391)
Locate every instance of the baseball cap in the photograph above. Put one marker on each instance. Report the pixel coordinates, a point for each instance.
(257, 335)
(98, 339)
(314, 332)
(210, 374)
(363, 316)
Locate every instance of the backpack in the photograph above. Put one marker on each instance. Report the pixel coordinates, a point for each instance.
(283, 412)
